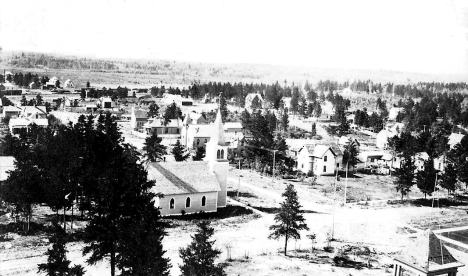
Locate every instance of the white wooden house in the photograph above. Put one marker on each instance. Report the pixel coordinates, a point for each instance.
(320, 159)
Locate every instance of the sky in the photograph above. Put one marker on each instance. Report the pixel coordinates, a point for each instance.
(425, 36)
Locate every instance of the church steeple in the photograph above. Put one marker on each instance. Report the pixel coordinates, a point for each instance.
(218, 135)
(187, 119)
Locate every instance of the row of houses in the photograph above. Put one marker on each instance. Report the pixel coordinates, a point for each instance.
(327, 159)
(194, 131)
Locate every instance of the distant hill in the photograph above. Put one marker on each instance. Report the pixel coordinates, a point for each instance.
(144, 72)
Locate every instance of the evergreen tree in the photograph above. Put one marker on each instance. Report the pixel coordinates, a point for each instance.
(23, 101)
(285, 120)
(449, 178)
(245, 119)
(141, 243)
(199, 257)
(39, 100)
(153, 110)
(317, 109)
(179, 152)
(425, 179)
(223, 107)
(405, 174)
(350, 155)
(57, 83)
(88, 85)
(314, 129)
(57, 262)
(256, 104)
(199, 154)
(289, 220)
(460, 155)
(153, 148)
(172, 112)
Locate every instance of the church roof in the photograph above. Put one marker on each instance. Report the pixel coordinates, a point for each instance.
(182, 177)
(218, 135)
(428, 252)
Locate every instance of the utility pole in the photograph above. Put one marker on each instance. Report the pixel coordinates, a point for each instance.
(334, 204)
(346, 183)
(274, 155)
(238, 183)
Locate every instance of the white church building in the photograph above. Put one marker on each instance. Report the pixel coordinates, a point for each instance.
(194, 186)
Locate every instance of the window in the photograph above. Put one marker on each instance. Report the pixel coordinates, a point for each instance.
(178, 131)
(222, 154)
(198, 142)
(325, 158)
(203, 201)
(166, 130)
(302, 165)
(206, 140)
(324, 168)
(337, 165)
(218, 155)
(187, 202)
(171, 204)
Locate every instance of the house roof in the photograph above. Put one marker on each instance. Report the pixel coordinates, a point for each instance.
(455, 138)
(320, 150)
(34, 109)
(336, 149)
(345, 140)
(232, 125)
(428, 253)
(27, 122)
(140, 113)
(10, 108)
(182, 177)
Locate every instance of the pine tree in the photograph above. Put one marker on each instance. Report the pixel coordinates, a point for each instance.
(449, 178)
(425, 179)
(179, 152)
(153, 110)
(223, 107)
(88, 85)
(39, 100)
(289, 220)
(24, 101)
(57, 262)
(153, 148)
(405, 174)
(199, 154)
(285, 120)
(350, 155)
(314, 129)
(199, 257)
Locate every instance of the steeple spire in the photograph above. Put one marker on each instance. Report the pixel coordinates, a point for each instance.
(218, 135)
(187, 119)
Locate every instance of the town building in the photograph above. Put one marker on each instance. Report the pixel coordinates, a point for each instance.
(138, 119)
(318, 159)
(254, 101)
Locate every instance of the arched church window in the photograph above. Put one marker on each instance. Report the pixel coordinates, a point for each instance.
(203, 201)
(187, 202)
(222, 154)
(218, 155)
(171, 204)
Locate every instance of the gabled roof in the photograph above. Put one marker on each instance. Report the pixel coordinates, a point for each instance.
(202, 130)
(429, 253)
(336, 149)
(232, 125)
(34, 109)
(140, 114)
(320, 151)
(455, 138)
(182, 177)
(10, 108)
